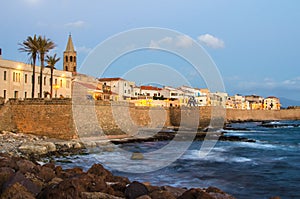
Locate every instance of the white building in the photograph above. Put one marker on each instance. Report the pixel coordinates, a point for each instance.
(150, 91)
(16, 81)
(123, 88)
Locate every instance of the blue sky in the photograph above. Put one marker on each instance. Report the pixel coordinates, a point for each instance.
(255, 44)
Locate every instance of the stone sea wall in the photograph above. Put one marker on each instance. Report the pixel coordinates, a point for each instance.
(55, 118)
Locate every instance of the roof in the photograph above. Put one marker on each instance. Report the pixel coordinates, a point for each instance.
(273, 97)
(110, 79)
(152, 88)
(70, 46)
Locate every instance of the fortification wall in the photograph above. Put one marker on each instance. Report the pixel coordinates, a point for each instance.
(55, 118)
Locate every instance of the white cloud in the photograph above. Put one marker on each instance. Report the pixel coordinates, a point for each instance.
(211, 41)
(84, 49)
(184, 41)
(163, 41)
(76, 24)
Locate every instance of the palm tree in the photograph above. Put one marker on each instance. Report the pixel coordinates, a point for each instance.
(30, 46)
(44, 45)
(52, 60)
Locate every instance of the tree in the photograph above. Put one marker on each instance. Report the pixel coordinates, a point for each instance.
(52, 60)
(44, 45)
(30, 46)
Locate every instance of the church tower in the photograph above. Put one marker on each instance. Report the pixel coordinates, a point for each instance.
(70, 54)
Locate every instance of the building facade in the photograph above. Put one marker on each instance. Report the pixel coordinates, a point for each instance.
(16, 81)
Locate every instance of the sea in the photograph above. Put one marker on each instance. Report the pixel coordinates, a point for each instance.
(268, 167)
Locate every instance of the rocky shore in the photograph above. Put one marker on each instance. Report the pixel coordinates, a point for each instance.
(23, 176)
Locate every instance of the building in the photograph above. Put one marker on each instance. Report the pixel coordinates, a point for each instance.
(271, 103)
(255, 102)
(150, 92)
(237, 102)
(70, 57)
(121, 87)
(16, 81)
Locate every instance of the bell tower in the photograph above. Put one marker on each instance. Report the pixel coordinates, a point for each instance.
(70, 57)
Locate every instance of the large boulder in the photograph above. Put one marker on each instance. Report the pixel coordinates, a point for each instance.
(17, 191)
(135, 189)
(161, 194)
(32, 149)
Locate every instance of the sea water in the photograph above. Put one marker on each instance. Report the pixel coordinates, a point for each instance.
(268, 167)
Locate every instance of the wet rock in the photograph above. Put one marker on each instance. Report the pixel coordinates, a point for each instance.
(8, 162)
(175, 191)
(137, 156)
(218, 193)
(96, 195)
(161, 194)
(195, 193)
(17, 191)
(55, 181)
(135, 189)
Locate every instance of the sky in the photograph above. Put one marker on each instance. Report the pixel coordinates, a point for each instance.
(254, 44)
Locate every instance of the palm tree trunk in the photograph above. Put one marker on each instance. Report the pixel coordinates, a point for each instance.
(41, 75)
(33, 77)
(51, 82)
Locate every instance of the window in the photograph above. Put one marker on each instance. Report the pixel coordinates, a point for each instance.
(16, 77)
(4, 75)
(25, 94)
(16, 94)
(74, 58)
(4, 94)
(71, 58)
(66, 58)
(74, 69)
(55, 81)
(50, 81)
(68, 84)
(45, 81)
(39, 79)
(124, 91)
(66, 68)
(25, 78)
(61, 83)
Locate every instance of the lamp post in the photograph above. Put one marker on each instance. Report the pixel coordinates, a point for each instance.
(56, 87)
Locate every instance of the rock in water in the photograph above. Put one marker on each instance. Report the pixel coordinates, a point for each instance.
(137, 156)
(135, 190)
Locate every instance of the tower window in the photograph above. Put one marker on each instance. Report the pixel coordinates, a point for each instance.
(74, 69)
(66, 58)
(4, 75)
(74, 58)
(71, 58)
(66, 68)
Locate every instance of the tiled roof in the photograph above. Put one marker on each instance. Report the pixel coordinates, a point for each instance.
(152, 88)
(110, 79)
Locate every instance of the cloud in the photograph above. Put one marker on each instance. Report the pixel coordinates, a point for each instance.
(184, 41)
(84, 49)
(76, 24)
(211, 41)
(157, 44)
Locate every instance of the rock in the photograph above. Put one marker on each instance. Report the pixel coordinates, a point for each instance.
(135, 189)
(137, 156)
(46, 174)
(49, 145)
(22, 180)
(33, 149)
(17, 191)
(175, 191)
(55, 181)
(144, 197)
(77, 145)
(5, 174)
(99, 170)
(96, 195)
(25, 165)
(196, 193)
(160, 194)
(8, 162)
(217, 193)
